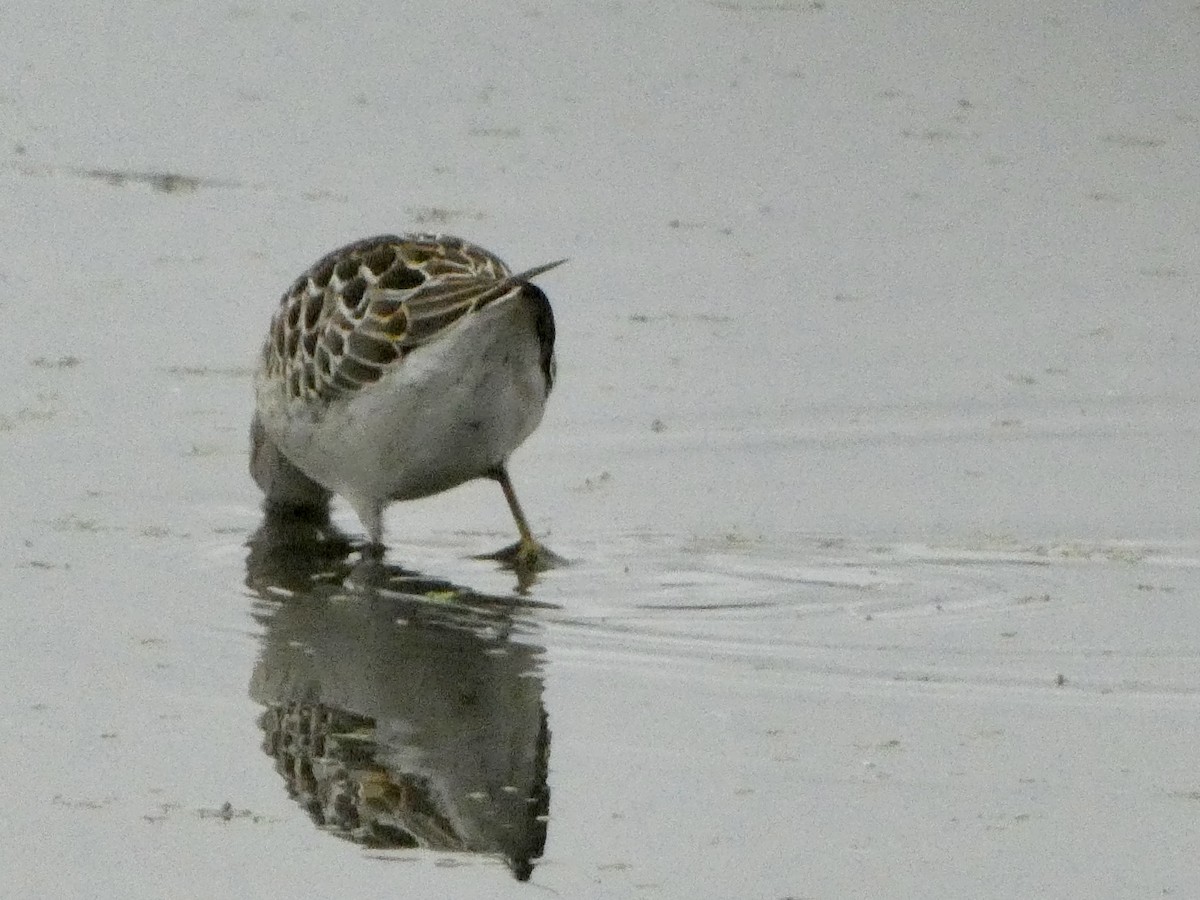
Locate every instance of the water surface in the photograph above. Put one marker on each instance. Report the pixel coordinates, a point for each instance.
(874, 452)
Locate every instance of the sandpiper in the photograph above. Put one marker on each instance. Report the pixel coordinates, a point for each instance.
(397, 367)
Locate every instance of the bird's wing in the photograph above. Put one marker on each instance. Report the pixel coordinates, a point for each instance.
(360, 310)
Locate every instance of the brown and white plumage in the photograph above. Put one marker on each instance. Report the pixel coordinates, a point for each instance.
(397, 367)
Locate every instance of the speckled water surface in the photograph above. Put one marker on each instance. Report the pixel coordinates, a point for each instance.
(874, 451)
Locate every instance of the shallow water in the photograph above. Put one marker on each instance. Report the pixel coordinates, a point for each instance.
(658, 718)
(874, 453)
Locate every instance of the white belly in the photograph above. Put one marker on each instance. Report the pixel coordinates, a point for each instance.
(450, 412)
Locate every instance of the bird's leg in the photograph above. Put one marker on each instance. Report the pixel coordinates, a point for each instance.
(370, 513)
(527, 539)
(527, 554)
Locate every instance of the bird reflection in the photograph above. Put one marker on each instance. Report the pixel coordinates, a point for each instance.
(401, 711)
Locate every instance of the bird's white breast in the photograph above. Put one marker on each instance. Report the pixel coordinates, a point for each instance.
(449, 412)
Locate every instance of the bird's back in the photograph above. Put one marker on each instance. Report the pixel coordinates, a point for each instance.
(360, 310)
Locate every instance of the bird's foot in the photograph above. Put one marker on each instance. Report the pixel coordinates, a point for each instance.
(372, 551)
(526, 557)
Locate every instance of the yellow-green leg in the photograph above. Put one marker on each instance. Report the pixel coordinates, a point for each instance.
(526, 555)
